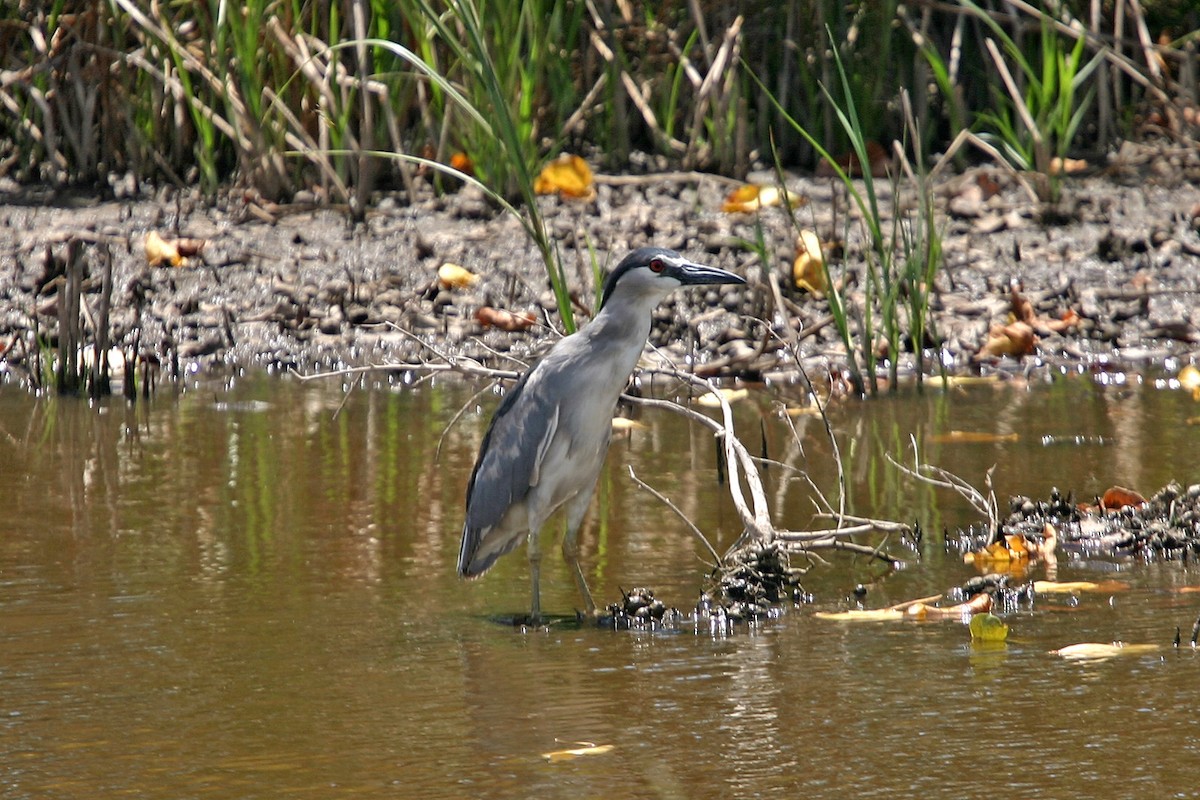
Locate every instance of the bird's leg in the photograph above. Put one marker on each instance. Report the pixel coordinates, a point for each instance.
(570, 546)
(535, 567)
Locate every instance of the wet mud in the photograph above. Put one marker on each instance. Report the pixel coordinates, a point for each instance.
(302, 287)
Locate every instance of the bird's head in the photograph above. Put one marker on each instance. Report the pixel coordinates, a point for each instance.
(655, 271)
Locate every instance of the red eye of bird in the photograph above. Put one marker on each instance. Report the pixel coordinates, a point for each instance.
(657, 265)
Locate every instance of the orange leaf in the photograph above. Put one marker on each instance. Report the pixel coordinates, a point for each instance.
(462, 162)
(569, 176)
(490, 317)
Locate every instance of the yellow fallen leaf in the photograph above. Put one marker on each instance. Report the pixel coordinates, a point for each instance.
(568, 176)
(988, 628)
(1189, 380)
(585, 749)
(802, 411)
(452, 276)
(626, 424)
(922, 612)
(1070, 587)
(808, 270)
(954, 381)
(159, 250)
(973, 437)
(1015, 340)
(730, 395)
(1095, 651)
(750, 197)
(862, 615)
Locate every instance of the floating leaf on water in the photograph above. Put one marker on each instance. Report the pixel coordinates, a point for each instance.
(584, 749)
(1070, 587)
(918, 610)
(973, 437)
(730, 395)
(1096, 651)
(979, 604)
(955, 381)
(988, 628)
(862, 615)
(568, 176)
(452, 276)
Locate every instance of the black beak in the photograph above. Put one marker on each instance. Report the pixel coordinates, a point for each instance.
(690, 274)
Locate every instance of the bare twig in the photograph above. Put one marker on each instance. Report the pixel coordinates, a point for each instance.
(717, 561)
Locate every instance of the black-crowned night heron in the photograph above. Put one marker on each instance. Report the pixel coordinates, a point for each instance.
(546, 444)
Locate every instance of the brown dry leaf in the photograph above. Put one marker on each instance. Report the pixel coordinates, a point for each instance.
(1096, 651)
(808, 270)
(1016, 339)
(490, 317)
(1117, 497)
(973, 437)
(584, 749)
(190, 248)
(1022, 309)
(568, 176)
(159, 251)
(452, 276)
(877, 160)
(750, 197)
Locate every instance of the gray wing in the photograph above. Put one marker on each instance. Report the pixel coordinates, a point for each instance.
(506, 469)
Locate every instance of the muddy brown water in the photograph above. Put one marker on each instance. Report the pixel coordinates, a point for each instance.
(236, 591)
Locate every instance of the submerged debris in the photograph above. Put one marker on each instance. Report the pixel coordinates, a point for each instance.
(753, 583)
(638, 609)
(755, 579)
